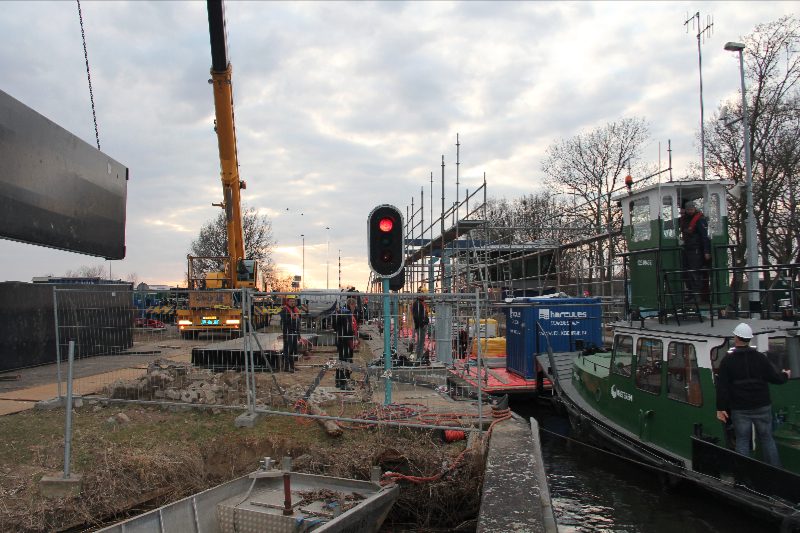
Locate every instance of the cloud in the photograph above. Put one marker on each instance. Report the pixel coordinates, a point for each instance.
(343, 106)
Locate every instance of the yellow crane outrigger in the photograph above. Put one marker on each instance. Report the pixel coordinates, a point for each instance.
(210, 311)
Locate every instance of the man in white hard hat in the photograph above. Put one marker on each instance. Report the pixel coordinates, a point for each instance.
(743, 394)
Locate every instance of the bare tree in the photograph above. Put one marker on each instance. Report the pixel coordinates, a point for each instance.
(591, 166)
(87, 271)
(258, 243)
(499, 216)
(543, 221)
(133, 279)
(772, 72)
(281, 283)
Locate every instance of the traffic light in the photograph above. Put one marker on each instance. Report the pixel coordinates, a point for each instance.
(385, 238)
(397, 281)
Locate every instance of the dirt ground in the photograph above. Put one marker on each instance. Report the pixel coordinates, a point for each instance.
(134, 457)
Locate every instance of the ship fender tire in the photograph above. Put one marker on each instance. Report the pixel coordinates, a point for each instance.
(598, 394)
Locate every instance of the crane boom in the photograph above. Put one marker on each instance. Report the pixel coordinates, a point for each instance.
(239, 272)
(209, 311)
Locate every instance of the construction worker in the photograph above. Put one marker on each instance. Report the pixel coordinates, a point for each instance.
(743, 394)
(696, 249)
(290, 326)
(419, 313)
(346, 326)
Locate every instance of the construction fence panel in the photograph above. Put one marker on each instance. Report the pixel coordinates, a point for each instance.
(129, 347)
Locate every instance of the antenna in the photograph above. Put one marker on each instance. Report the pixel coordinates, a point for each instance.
(458, 164)
(669, 151)
(701, 33)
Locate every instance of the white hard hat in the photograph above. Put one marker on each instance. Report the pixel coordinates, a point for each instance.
(743, 331)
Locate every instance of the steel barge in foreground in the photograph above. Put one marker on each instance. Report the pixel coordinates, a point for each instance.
(272, 499)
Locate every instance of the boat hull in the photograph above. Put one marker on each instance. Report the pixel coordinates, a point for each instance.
(773, 493)
(254, 504)
(738, 479)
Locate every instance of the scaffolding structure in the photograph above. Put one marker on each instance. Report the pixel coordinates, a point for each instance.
(470, 252)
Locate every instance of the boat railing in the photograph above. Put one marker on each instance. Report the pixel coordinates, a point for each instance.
(595, 364)
(553, 368)
(724, 289)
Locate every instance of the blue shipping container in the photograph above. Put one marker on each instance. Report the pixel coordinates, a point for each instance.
(567, 323)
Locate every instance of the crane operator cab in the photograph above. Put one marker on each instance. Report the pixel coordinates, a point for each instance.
(246, 273)
(659, 280)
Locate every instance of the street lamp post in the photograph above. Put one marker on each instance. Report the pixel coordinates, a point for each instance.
(303, 277)
(752, 247)
(327, 252)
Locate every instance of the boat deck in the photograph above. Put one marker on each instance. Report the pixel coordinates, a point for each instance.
(721, 327)
(492, 378)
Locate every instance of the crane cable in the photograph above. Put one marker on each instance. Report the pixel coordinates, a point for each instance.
(88, 74)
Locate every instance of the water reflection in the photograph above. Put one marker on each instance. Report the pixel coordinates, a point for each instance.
(594, 491)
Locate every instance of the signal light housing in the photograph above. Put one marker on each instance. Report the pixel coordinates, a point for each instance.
(386, 240)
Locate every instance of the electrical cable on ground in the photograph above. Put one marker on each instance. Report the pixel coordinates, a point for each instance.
(499, 415)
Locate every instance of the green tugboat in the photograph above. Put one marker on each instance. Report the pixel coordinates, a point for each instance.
(652, 397)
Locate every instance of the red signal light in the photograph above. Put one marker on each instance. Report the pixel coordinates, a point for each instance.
(385, 239)
(386, 224)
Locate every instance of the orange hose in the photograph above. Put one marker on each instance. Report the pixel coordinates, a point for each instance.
(396, 476)
(452, 435)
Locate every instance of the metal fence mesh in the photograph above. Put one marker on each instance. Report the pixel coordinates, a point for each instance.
(133, 346)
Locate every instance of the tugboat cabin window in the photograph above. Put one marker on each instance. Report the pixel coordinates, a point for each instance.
(683, 377)
(718, 354)
(623, 355)
(640, 219)
(668, 217)
(648, 365)
(784, 352)
(713, 216)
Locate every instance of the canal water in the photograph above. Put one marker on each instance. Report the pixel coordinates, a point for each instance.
(595, 491)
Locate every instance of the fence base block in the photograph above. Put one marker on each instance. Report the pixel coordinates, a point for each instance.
(58, 486)
(52, 403)
(57, 403)
(246, 420)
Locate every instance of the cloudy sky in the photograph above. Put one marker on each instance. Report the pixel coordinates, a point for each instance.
(344, 106)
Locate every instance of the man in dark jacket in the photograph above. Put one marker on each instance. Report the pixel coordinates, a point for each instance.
(346, 326)
(743, 394)
(419, 313)
(290, 326)
(696, 248)
(359, 311)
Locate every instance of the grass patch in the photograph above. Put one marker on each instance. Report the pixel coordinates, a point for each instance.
(158, 456)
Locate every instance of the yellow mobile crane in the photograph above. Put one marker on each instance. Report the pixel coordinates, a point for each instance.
(209, 310)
